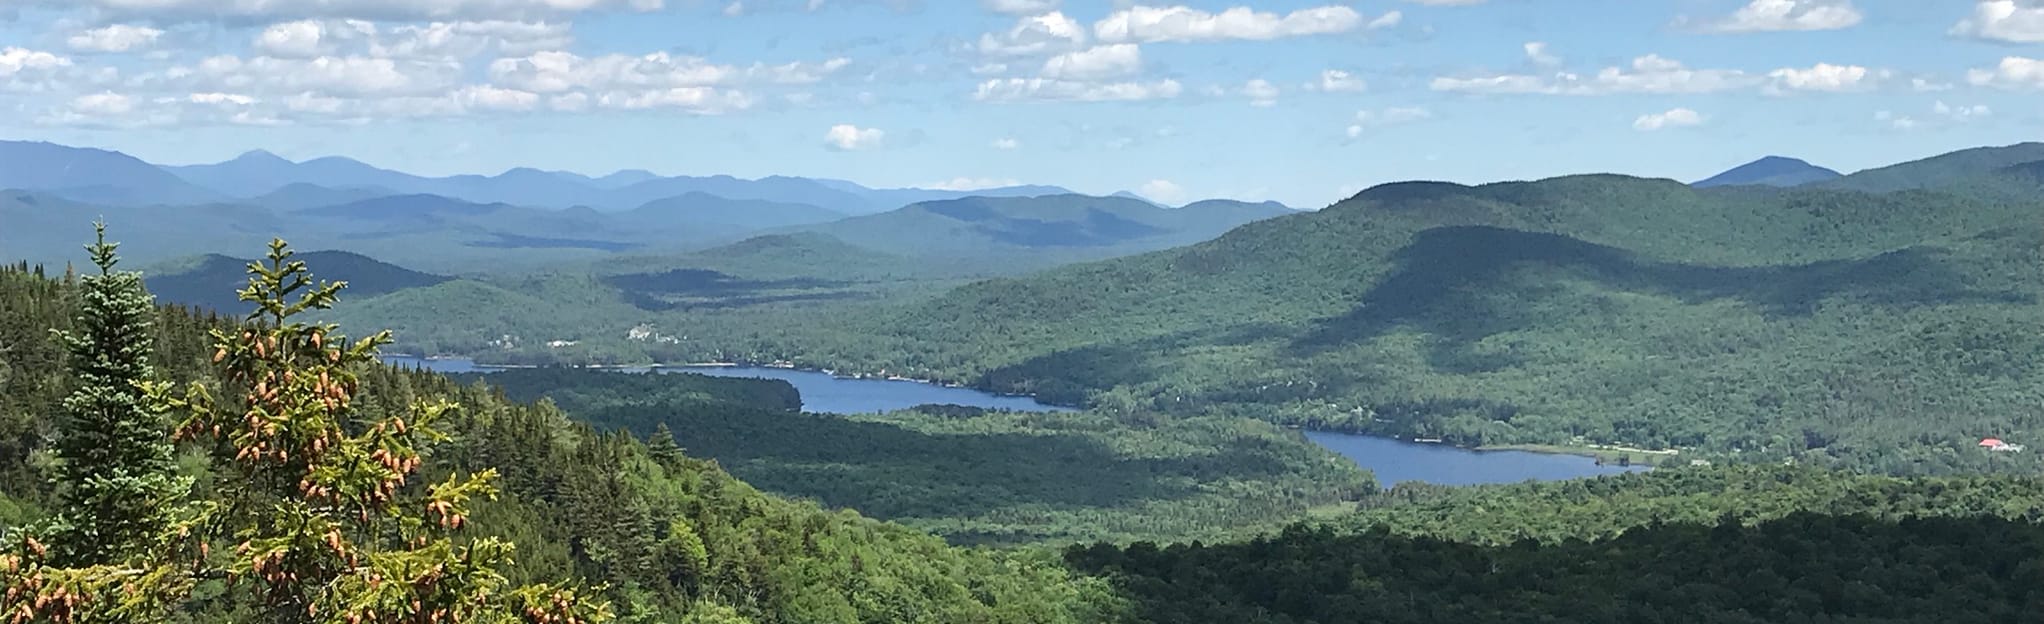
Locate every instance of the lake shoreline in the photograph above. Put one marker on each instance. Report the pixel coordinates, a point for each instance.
(777, 366)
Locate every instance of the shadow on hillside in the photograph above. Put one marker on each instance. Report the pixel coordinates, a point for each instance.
(1801, 568)
(701, 288)
(890, 472)
(1462, 284)
(1066, 376)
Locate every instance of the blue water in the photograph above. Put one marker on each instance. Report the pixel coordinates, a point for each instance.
(1396, 461)
(821, 393)
(1393, 461)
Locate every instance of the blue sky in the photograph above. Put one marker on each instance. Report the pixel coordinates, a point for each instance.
(1302, 102)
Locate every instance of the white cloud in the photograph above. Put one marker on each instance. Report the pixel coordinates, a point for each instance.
(1020, 7)
(2014, 72)
(849, 138)
(114, 38)
(1108, 61)
(332, 75)
(1006, 143)
(1261, 93)
(1674, 118)
(233, 99)
(15, 61)
(1386, 20)
(1038, 34)
(1961, 113)
(972, 184)
(1012, 89)
(1825, 77)
(1447, 2)
(108, 104)
(471, 39)
(1179, 23)
(1537, 52)
(484, 97)
(2009, 21)
(1788, 15)
(697, 100)
(1338, 81)
(735, 9)
(1922, 85)
(1163, 190)
(569, 102)
(1898, 122)
(1394, 116)
(300, 39)
(1647, 74)
(391, 10)
(557, 72)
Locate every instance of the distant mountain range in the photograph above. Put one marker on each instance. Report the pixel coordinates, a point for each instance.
(1771, 171)
(528, 218)
(261, 173)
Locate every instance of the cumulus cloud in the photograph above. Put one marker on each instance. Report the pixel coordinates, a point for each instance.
(471, 39)
(1108, 61)
(108, 104)
(1394, 116)
(1034, 35)
(393, 10)
(2008, 21)
(1014, 89)
(1261, 93)
(2014, 72)
(1163, 191)
(697, 100)
(333, 75)
(114, 38)
(1896, 121)
(16, 61)
(1338, 81)
(1006, 143)
(1674, 118)
(1961, 114)
(557, 71)
(1537, 52)
(1825, 77)
(1787, 15)
(1179, 23)
(850, 138)
(1647, 74)
(1020, 7)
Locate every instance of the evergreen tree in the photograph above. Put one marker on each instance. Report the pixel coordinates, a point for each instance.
(114, 469)
(316, 498)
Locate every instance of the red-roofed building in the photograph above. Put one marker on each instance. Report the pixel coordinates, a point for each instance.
(1993, 443)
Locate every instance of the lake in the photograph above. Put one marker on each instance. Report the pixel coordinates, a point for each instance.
(1393, 461)
(821, 392)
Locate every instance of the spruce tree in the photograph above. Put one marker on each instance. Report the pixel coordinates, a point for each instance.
(115, 469)
(323, 502)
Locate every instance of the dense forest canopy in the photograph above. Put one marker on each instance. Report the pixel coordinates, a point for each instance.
(670, 537)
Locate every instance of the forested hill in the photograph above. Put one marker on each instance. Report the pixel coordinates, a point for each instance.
(670, 537)
(1888, 331)
(212, 281)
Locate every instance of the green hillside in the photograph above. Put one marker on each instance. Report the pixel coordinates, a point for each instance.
(670, 537)
(1885, 331)
(1042, 231)
(970, 475)
(211, 281)
(1942, 170)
